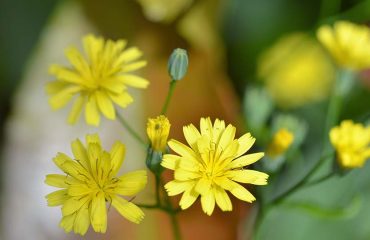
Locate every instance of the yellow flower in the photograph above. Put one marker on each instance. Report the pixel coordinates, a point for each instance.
(90, 182)
(98, 81)
(296, 71)
(348, 43)
(352, 143)
(280, 142)
(158, 130)
(213, 163)
(164, 10)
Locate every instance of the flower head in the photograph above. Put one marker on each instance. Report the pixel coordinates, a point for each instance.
(158, 130)
(90, 182)
(348, 43)
(296, 71)
(281, 141)
(352, 143)
(213, 163)
(98, 80)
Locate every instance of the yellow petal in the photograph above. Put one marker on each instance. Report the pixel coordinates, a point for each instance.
(170, 161)
(113, 85)
(245, 160)
(182, 149)
(57, 198)
(208, 202)
(61, 98)
(93, 138)
(105, 105)
(203, 186)
(206, 127)
(176, 187)
(75, 112)
(131, 183)
(133, 66)
(131, 54)
(245, 143)
(94, 152)
(56, 180)
(67, 222)
(55, 87)
(82, 221)
(93, 47)
(80, 153)
(218, 128)
(78, 61)
(188, 198)
(117, 154)
(128, 210)
(248, 176)
(133, 81)
(227, 137)
(222, 199)
(65, 74)
(191, 134)
(91, 112)
(236, 189)
(122, 99)
(183, 175)
(79, 190)
(73, 204)
(98, 214)
(60, 159)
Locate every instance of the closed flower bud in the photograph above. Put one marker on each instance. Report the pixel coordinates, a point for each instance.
(178, 64)
(280, 142)
(158, 130)
(153, 161)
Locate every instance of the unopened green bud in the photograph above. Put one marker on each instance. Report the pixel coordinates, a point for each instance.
(178, 64)
(153, 161)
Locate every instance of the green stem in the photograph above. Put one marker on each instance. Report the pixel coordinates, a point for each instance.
(320, 179)
(157, 186)
(175, 226)
(258, 222)
(299, 184)
(164, 206)
(133, 133)
(342, 86)
(169, 96)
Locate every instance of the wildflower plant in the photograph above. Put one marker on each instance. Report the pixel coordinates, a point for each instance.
(219, 163)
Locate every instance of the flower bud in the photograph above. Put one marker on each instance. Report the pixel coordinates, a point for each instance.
(153, 161)
(178, 64)
(158, 130)
(280, 142)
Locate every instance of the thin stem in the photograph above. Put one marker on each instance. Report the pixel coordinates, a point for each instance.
(175, 226)
(169, 96)
(157, 186)
(320, 179)
(302, 182)
(258, 222)
(133, 133)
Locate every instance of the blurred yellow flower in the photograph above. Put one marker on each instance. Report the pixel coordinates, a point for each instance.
(296, 71)
(352, 143)
(348, 43)
(164, 10)
(213, 163)
(99, 79)
(89, 182)
(158, 130)
(281, 141)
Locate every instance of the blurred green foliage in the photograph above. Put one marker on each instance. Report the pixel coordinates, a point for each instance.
(21, 23)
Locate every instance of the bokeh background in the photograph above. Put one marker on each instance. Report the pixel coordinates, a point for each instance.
(233, 45)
